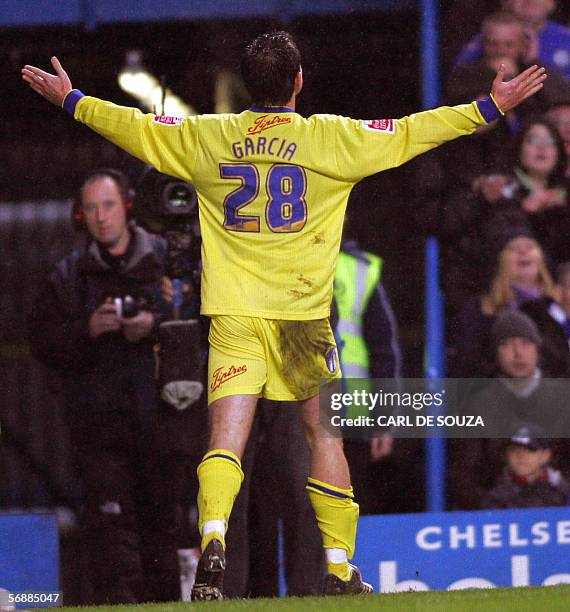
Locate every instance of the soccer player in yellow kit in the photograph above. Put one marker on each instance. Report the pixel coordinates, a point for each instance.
(272, 188)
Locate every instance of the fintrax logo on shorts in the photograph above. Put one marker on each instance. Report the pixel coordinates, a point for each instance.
(331, 358)
(388, 126)
(222, 375)
(166, 120)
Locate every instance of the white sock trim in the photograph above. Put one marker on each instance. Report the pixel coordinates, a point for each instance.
(217, 526)
(336, 555)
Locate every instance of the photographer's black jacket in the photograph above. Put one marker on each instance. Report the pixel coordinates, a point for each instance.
(107, 377)
(79, 283)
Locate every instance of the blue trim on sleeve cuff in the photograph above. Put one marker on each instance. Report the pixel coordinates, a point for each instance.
(488, 109)
(71, 101)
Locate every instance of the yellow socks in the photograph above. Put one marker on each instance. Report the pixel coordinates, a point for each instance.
(220, 477)
(337, 517)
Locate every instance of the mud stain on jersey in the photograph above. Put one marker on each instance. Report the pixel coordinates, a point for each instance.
(305, 280)
(296, 294)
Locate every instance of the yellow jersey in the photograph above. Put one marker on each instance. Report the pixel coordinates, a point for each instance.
(272, 189)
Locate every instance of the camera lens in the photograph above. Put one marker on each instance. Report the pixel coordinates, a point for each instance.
(130, 307)
(179, 198)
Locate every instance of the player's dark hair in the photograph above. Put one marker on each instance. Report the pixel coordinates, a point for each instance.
(269, 66)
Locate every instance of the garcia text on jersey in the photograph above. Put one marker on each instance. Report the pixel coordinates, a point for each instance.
(278, 147)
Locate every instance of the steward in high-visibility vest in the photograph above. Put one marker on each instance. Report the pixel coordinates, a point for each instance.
(366, 328)
(357, 274)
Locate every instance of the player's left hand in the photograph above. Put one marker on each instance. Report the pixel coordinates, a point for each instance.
(511, 93)
(53, 87)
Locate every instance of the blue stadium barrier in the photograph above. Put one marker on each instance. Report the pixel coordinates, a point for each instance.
(459, 550)
(29, 554)
(434, 316)
(90, 13)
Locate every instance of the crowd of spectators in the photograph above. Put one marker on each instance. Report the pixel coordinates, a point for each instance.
(502, 213)
(500, 204)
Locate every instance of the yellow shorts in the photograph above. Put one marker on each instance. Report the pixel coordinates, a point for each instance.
(277, 359)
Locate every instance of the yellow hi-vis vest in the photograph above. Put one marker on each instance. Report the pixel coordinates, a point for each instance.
(355, 280)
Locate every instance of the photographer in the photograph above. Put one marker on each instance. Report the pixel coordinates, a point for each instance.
(95, 322)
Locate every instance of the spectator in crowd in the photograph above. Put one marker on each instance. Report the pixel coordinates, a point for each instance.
(460, 22)
(462, 18)
(503, 42)
(520, 275)
(517, 394)
(81, 327)
(559, 115)
(532, 193)
(552, 316)
(547, 41)
(527, 481)
(536, 193)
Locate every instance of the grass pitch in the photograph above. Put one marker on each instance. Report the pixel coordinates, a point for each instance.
(528, 599)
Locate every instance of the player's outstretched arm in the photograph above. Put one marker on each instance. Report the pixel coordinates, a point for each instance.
(171, 149)
(509, 94)
(53, 87)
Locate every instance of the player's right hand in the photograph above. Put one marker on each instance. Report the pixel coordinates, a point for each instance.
(104, 319)
(53, 87)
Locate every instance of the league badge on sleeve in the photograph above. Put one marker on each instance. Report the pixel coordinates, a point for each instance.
(387, 126)
(166, 120)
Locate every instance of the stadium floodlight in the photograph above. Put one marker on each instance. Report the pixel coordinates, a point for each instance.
(137, 81)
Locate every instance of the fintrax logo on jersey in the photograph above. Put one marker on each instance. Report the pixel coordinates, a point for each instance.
(166, 120)
(222, 375)
(265, 122)
(388, 126)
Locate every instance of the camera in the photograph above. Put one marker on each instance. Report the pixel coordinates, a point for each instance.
(128, 306)
(169, 207)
